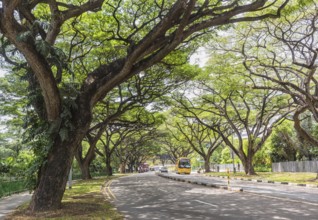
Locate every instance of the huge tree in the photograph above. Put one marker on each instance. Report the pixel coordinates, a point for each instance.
(230, 108)
(124, 128)
(51, 41)
(284, 53)
(136, 148)
(201, 139)
(286, 145)
(145, 90)
(172, 142)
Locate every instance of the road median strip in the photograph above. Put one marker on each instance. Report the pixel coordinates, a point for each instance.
(268, 181)
(236, 189)
(236, 178)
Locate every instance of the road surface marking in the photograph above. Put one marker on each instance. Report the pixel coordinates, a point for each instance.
(285, 199)
(108, 191)
(162, 190)
(206, 203)
(105, 191)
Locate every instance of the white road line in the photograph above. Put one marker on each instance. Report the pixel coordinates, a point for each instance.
(206, 203)
(163, 190)
(284, 199)
(110, 191)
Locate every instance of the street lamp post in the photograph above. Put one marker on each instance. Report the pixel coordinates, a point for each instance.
(232, 154)
(198, 159)
(70, 178)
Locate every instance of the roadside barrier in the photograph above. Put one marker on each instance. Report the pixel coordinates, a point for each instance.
(11, 187)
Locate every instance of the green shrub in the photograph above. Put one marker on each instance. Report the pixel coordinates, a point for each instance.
(263, 168)
(11, 187)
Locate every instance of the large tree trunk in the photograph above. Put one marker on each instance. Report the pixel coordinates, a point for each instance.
(109, 169)
(207, 165)
(130, 168)
(85, 172)
(123, 167)
(84, 163)
(53, 178)
(248, 166)
(53, 174)
(108, 156)
(136, 168)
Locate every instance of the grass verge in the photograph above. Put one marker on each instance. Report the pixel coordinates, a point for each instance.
(84, 201)
(301, 178)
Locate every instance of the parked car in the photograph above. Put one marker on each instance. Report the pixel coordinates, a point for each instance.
(163, 169)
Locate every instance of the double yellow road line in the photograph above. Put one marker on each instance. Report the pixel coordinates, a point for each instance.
(107, 191)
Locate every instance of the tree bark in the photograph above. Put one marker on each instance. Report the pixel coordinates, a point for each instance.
(53, 174)
(109, 169)
(122, 168)
(248, 166)
(207, 165)
(130, 167)
(85, 172)
(136, 168)
(53, 179)
(84, 163)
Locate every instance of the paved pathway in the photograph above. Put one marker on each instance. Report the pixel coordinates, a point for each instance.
(10, 203)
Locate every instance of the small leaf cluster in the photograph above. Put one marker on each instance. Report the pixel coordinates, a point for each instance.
(67, 126)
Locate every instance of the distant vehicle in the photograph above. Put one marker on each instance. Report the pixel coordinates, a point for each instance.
(143, 167)
(151, 169)
(183, 165)
(163, 169)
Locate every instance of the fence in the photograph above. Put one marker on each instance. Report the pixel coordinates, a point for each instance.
(10, 187)
(223, 167)
(296, 166)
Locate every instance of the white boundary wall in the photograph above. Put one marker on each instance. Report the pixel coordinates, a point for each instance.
(296, 166)
(224, 167)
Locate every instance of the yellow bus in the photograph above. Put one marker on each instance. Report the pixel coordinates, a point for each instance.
(183, 165)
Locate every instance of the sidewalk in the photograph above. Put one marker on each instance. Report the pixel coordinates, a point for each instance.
(10, 203)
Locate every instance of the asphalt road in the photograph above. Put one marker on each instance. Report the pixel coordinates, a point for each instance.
(277, 190)
(147, 196)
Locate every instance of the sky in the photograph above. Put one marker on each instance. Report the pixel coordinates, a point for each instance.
(200, 57)
(2, 73)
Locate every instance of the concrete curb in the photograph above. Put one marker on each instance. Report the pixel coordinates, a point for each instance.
(268, 181)
(218, 186)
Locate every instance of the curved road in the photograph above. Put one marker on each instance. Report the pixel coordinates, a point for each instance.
(148, 196)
